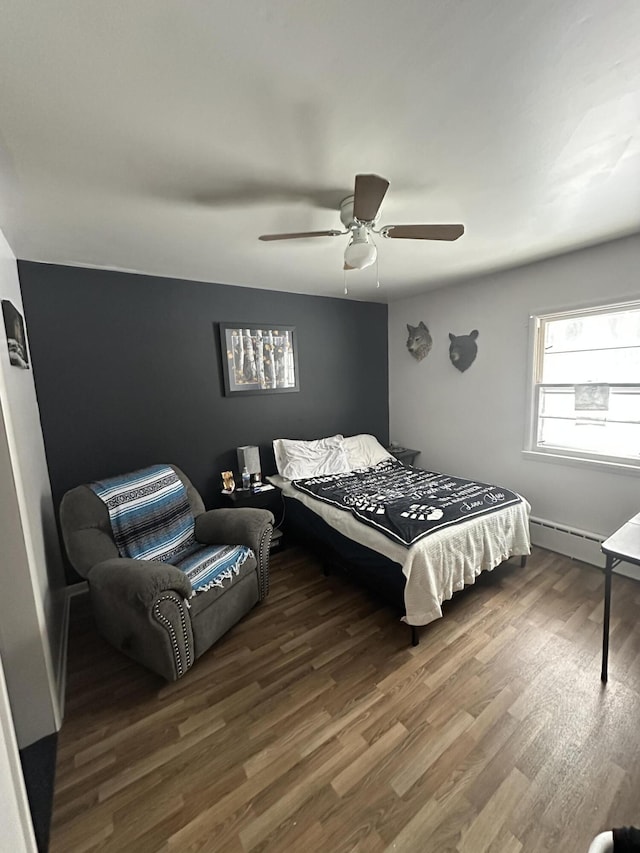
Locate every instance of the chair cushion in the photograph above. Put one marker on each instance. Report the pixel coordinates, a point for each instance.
(208, 566)
(199, 603)
(214, 612)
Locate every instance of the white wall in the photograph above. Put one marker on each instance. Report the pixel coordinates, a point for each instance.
(473, 423)
(15, 819)
(32, 600)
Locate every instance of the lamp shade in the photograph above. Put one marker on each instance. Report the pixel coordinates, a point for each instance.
(360, 254)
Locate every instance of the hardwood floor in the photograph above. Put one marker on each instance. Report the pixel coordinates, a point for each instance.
(314, 725)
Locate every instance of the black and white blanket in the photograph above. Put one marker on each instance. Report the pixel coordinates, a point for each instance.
(407, 503)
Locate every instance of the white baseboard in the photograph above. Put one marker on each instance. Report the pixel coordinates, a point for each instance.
(62, 657)
(79, 588)
(577, 544)
(70, 592)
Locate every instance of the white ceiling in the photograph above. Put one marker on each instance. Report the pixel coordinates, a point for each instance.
(164, 136)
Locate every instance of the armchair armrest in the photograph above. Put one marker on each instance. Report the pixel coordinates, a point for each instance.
(238, 526)
(137, 581)
(140, 607)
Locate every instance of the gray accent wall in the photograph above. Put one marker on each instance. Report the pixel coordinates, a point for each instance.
(128, 372)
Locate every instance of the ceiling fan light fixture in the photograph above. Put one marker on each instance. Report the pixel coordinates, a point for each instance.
(359, 215)
(360, 254)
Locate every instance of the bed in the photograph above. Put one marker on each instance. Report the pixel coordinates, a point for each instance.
(424, 570)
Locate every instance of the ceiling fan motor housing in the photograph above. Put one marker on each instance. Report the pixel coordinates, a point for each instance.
(346, 214)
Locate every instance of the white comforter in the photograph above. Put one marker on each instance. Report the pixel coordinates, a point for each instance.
(441, 563)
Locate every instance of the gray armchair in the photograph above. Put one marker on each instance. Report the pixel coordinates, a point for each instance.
(145, 608)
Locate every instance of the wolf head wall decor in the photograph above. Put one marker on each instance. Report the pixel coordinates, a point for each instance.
(463, 350)
(419, 341)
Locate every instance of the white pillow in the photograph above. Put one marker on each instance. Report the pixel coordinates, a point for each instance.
(364, 450)
(298, 459)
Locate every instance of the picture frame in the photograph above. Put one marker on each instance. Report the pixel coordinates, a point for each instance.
(16, 338)
(259, 358)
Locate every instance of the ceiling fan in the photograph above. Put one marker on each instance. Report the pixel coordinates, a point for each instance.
(359, 215)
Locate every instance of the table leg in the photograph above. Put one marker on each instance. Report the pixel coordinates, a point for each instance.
(607, 613)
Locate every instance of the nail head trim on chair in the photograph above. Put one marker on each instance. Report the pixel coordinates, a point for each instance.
(162, 619)
(263, 556)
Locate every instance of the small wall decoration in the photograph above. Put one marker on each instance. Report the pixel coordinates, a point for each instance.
(419, 341)
(463, 350)
(259, 358)
(16, 338)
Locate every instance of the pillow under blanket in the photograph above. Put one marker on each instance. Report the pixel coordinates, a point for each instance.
(299, 459)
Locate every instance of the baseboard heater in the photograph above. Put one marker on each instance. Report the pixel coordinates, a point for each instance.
(578, 544)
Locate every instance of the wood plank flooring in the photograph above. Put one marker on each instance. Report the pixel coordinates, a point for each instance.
(314, 725)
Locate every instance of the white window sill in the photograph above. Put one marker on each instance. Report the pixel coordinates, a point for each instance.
(581, 462)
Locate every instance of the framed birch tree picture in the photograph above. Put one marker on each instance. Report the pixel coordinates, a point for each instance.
(259, 358)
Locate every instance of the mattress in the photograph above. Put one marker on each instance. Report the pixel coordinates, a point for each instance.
(443, 562)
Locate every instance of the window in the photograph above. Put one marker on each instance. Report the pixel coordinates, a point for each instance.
(586, 385)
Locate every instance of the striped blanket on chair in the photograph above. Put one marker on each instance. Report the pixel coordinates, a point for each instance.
(151, 519)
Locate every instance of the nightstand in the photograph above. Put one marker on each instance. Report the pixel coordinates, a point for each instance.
(404, 454)
(267, 499)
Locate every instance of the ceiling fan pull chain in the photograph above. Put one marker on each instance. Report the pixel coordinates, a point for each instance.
(377, 274)
(344, 275)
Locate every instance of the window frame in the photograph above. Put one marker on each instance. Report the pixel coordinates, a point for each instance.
(580, 458)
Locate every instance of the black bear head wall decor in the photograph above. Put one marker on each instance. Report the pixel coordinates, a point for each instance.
(463, 350)
(419, 341)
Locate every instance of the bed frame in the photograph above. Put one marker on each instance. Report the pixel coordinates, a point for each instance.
(380, 575)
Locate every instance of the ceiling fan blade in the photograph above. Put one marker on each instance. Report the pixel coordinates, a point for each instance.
(300, 234)
(368, 195)
(423, 232)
